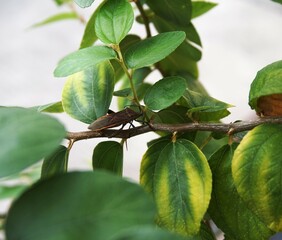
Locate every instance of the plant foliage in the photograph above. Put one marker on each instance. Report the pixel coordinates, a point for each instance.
(195, 171)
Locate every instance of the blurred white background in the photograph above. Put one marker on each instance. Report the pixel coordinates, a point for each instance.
(239, 38)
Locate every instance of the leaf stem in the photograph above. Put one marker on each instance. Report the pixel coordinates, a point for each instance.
(129, 75)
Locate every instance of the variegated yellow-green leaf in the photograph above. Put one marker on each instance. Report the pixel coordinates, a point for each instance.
(108, 156)
(256, 169)
(87, 95)
(227, 209)
(179, 177)
(83, 59)
(113, 21)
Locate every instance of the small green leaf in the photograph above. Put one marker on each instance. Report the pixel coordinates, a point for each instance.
(203, 107)
(89, 35)
(83, 59)
(113, 21)
(84, 3)
(26, 137)
(97, 205)
(256, 170)
(227, 209)
(109, 156)
(87, 95)
(56, 18)
(201, 7)
(11, 191)
(164, 93)
(267, 82)
(56, 107)
(178, 176)
(56, 163)
(154, 49)
(177, 11)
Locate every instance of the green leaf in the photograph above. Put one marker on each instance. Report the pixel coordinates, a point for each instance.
(267, 82)
(109, 156)
(179, 177)
(89, 35)
(56, 163)
(164, 93)
(256, 169)
(172, 115)
(201, 7)
(179, 62)
(83, 59)
(96, 204)
(278, 1)
(177, 11)
(154, 49)
(11, 191)
(84, 3)
(146, 233)
(56, 18)
(191, 33)
(227, 209)
(203, 107)
(56, 107)
(87, 95)
(26, 136)
(113, 21)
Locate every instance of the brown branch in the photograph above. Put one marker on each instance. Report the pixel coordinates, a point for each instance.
(145, 18)
(228, 128)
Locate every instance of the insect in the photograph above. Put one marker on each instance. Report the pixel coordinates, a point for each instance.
(114, 119)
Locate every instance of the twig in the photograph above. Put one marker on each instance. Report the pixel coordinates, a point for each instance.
(145, 18)
(228, 128)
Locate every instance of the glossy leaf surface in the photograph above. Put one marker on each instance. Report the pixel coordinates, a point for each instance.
(87, 95)
(267, 82)
(164, 93)
(56, 163)
(108, 156)
(227, 209)
(114, 20)
(256, 169)
(152, 50)
(83, 59)
(95, 204)
(26, 137)
(179, 178)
